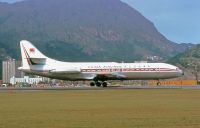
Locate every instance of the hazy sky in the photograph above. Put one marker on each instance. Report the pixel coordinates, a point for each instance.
(178, 20)
(10, 1)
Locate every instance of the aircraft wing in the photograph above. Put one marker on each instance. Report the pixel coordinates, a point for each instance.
(107, 76)
(66, 71)
(115, 75)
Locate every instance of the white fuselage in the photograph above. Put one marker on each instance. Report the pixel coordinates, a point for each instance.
(34, 62)
(112, 70)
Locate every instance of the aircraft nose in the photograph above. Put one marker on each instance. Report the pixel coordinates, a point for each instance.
(181, 72)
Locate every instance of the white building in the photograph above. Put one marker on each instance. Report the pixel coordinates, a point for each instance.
(10, 69)
(26, 79)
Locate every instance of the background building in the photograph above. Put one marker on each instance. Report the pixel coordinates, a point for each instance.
(26, 79)
(10, 69)
(11, 74)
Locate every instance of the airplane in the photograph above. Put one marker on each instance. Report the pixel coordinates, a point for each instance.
(36, 63)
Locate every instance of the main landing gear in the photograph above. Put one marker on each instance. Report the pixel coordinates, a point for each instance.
(99, 84)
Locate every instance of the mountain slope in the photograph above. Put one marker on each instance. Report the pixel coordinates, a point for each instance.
(191, 56)
(82, 30)
(189, 61)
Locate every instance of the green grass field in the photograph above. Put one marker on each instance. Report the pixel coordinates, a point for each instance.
(137, 108)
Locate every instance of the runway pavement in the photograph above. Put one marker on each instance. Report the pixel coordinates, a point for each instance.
(97, 88)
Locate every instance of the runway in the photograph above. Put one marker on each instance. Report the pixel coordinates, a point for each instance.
(96, 88)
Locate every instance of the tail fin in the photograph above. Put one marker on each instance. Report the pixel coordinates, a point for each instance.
(31, 55)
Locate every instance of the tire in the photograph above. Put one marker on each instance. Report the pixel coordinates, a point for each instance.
(98, 84)
(105, 84)
(158, 83)
(92, 84)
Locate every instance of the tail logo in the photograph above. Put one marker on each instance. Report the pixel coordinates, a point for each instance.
(32, 50)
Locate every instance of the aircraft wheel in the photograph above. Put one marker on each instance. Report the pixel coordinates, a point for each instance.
(105, 84)
(158, 83)
(92, 84)
(98, 84)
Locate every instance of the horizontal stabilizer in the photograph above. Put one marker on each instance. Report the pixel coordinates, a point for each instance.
(38, 61)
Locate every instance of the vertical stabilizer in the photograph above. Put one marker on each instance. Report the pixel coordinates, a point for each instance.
(31, 55)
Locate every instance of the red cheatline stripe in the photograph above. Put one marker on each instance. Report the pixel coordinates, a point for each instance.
(128, 70)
